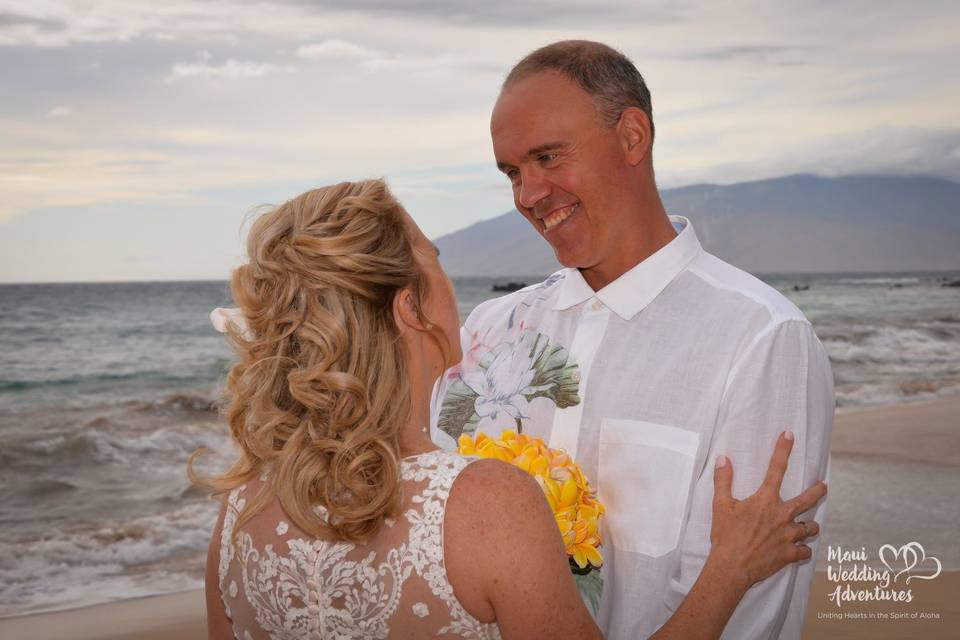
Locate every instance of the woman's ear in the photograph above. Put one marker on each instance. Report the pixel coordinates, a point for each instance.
(405, 311)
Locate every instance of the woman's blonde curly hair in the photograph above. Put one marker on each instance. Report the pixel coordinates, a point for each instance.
(321, 391)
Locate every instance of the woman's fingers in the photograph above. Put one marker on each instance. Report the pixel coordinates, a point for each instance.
(806, 500)
(778, 462)
(799, 531)
(812, 529)
(722, 480)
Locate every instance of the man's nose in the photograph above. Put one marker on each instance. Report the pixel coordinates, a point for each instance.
(532, 188)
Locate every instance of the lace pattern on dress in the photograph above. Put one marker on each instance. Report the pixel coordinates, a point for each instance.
(276, 583)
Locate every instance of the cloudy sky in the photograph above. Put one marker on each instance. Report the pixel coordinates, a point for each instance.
(137, 137)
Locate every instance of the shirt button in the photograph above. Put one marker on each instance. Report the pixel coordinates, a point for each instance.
(597, 305)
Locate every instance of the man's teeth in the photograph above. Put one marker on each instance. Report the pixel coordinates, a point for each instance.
(559, 216)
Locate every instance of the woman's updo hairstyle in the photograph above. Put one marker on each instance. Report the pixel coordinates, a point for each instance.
(320, 393)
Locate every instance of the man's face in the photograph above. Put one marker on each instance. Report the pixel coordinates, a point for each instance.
(565, 167)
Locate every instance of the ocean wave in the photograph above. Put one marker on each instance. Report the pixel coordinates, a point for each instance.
(179, 403)
(888, 344)
(7, 385)
(856, 394)
(877, 281)
(54, 571)
(96, 444)
(34, 489)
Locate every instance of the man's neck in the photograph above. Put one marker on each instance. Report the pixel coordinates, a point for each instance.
(656, 235)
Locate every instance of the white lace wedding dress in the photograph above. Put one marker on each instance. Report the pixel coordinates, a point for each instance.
(278, 583)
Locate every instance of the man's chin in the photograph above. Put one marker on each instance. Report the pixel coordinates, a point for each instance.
(568, 259)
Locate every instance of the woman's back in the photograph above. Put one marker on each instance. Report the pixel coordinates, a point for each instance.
(278, 582)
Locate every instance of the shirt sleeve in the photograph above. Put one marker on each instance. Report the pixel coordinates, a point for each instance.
(782, 381)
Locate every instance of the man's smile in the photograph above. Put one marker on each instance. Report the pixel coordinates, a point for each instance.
(557, 216)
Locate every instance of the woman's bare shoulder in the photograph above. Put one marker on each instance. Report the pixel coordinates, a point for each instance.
(493, 483)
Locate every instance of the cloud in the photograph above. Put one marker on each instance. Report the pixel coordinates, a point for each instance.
(509, 13)
(777, 54)
(231, 70)
(59, 112)
(9, 19)
(60, 24)
(908, 151)
(55, 163)
(875, 151)
(376, 60)
(336, 49)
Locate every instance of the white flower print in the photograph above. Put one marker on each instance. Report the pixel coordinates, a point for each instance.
(499, 385)
(497, 391)
(420, 610)
(282, 528)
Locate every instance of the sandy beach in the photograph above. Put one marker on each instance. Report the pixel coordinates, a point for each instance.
(874, 449)
(180, 616)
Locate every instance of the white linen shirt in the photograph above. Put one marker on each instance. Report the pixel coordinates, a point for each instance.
(645, 382)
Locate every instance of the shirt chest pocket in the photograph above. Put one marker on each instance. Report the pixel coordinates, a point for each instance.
(643, 478)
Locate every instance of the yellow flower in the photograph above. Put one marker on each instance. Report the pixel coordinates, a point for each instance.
(574, 504)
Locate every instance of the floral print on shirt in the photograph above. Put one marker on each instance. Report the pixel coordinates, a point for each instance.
(494, 386)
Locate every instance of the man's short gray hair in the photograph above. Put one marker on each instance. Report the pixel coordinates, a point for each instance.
(603, 72)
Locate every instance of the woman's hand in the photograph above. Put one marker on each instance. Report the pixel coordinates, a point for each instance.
(752, 539)
(759, 536)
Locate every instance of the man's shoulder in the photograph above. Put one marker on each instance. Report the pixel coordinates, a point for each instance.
(499, 308)
(744, 290)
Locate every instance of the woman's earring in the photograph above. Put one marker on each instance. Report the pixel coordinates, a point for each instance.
(429, 326)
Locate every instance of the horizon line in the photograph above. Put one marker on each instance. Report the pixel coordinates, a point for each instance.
(759, 274)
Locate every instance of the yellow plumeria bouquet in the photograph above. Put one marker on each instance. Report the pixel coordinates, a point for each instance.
(573, 502)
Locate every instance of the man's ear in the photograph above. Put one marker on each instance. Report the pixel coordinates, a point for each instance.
(405, 311)
(634, 130)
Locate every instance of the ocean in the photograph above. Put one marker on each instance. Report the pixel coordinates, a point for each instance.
(105, 389)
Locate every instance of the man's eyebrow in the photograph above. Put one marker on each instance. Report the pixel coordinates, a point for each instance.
(535, 151)
(549, 146)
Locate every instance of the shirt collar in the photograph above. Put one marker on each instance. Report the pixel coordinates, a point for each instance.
(629, 294)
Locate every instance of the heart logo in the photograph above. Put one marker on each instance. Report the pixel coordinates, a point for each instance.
(912, 555)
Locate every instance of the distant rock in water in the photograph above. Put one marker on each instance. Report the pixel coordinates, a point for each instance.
(510, 286)
(951, 283)
(801, 287)
(794, 224)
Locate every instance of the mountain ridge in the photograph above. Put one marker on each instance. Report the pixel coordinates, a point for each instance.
(797, 223)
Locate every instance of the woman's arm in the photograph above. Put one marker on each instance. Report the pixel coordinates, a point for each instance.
(505, 557)
(506, 561)
(218, 624)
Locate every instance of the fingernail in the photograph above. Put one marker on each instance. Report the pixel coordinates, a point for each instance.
(788, 435)
(721, 462)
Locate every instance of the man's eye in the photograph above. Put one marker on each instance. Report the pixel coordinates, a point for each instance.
(513, 175)
(547, 157)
